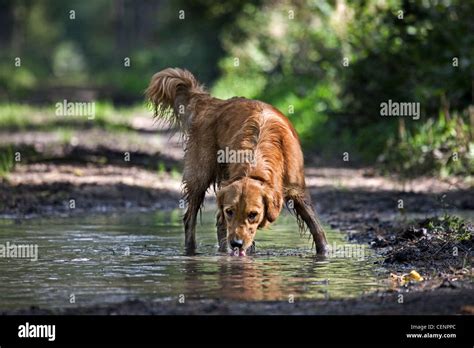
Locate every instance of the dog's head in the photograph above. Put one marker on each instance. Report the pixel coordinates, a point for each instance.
(246, 205)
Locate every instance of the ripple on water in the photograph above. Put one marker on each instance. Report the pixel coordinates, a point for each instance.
(105, 259)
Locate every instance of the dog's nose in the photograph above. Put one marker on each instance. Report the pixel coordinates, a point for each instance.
(236, 243)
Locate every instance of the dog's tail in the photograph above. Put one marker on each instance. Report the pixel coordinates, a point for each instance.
(171, 92)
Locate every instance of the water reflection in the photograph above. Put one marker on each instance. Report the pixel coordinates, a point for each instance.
(104, 259)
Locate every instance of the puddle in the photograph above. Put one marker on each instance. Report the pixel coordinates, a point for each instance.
(112, 258)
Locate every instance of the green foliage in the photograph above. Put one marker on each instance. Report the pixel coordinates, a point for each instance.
(161, 168)
(7, 161)
(65, 135)
(175, 173)
(24, 116)
(69, 62)
(327, 65)
(283, 62)
(91, 49)
(335, 63)
(453, 227)
(438, 147)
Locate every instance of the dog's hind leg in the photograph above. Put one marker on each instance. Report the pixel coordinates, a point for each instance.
(194, 193)
(305, 214)
(194, 200)
(195, 182)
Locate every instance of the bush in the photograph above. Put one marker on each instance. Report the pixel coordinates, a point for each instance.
(439, 147)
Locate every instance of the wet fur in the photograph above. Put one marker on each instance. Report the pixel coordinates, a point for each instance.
(210, 124)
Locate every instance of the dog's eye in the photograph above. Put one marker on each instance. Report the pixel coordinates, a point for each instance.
(252, 215)
(229, 212)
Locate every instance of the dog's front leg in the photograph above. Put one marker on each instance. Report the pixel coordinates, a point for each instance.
(304, 209)
(221, 232)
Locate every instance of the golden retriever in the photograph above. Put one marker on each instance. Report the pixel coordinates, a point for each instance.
(246, 148)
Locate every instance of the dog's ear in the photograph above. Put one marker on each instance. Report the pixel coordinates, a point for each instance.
(273, 201)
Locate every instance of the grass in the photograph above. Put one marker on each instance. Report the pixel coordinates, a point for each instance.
(453, 226)
(441, 147)
(7, 162)
(174, 172)
(65, 134)
(161, 168)
(22, 117)
(18, 116)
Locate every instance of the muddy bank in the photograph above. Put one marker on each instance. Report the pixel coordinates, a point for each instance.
(438, 301)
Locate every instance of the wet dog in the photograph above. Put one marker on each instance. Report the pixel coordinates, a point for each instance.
(246, 148)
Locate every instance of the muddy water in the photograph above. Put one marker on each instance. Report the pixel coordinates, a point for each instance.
(105, 259)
